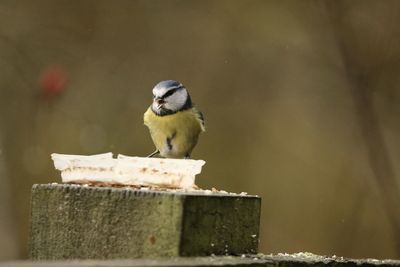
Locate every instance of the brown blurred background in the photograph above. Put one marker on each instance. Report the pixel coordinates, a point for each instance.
(301, 100)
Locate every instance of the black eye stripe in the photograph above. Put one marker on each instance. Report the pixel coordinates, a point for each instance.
(170, 92)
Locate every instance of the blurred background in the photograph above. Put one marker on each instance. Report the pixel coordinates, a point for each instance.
(301, 100)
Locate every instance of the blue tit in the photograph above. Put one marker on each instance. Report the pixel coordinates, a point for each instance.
(173, 121)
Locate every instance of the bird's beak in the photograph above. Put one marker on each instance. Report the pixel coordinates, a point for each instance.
(159, 102)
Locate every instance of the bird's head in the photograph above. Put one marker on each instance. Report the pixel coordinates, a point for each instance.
(170, 97)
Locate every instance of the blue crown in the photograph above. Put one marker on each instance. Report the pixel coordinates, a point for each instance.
(168, 84)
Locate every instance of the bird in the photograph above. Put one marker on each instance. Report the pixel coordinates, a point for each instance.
(173, 121)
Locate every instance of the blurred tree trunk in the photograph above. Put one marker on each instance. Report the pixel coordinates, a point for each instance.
(359, 70)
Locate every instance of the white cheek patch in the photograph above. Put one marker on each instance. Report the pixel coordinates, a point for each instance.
(176, 101)
(159, 92)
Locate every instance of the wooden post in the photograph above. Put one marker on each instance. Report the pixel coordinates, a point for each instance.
(81, 222)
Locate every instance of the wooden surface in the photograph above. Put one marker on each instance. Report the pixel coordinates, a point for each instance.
(78, 222)
(293, 260)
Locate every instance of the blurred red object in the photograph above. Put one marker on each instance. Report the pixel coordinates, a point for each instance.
(52, 81)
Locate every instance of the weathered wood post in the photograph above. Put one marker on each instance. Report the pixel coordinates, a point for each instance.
(83, 222)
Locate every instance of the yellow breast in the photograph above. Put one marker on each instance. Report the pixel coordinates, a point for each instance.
(174, 135)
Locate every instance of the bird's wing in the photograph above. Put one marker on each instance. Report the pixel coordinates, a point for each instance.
(200, 118)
